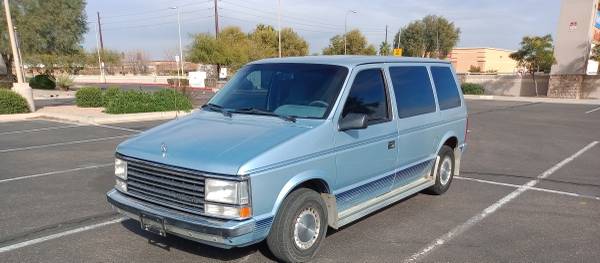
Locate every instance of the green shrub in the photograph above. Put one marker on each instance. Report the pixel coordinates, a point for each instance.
(137, 101)
(42, 82)
(5, 85)
(173, 82)
(11, 102)
(109, 95)
(472, 88)
(89, 97)
(64, 81)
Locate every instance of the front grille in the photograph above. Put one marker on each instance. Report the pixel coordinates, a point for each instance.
(166, 186)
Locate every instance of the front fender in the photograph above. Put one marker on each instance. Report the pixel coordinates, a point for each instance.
(298, 180)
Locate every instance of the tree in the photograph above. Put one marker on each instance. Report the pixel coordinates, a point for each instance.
(433, 37)
(234, 48)
(385, 49)
(231, 48)
(50, 31)
(536, 54)
(265, 43)
(356, 45)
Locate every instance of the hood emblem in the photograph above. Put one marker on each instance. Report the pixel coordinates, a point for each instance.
(163, 149)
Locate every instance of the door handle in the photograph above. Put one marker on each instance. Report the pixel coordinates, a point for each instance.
(391, 144)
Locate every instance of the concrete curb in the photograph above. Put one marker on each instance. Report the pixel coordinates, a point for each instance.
(533, 99)
(133, 117)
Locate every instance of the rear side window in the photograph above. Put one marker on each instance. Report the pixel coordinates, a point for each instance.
(445, 87)
(414, 95)
(368, 96)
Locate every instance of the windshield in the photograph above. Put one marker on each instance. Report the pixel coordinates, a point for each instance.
(284, 89)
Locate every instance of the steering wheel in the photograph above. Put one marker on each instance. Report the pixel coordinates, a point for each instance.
(319, 102)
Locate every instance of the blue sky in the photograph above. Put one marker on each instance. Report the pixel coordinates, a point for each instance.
(150, 26)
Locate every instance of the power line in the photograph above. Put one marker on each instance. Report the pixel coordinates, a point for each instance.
(157, 10)
(195, 19)
(194, 11)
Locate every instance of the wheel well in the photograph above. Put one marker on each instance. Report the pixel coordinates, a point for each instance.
(452, 142)
(318, 185)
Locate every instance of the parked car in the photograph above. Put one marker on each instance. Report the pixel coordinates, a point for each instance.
(292, 146)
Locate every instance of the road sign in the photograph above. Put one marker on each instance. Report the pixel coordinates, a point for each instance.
(397, 52)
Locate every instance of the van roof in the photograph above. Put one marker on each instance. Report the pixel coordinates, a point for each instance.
(349, 61)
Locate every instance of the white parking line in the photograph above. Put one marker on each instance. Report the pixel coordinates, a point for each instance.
(55, 172)
(63, 143)
(494, 207)
(590, 111)
(529, 188)
(41, 129)
(58, 235)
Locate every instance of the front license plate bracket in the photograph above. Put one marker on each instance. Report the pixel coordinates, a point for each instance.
(153, 224)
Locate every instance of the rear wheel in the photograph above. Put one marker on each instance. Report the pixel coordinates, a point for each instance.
(445, 171)
(299, 227)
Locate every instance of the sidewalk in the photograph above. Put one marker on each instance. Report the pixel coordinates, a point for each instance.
(73, 113)
(534, 99)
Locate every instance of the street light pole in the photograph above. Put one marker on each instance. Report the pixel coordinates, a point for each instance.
(181, 61)
(21, 86)
(346, 26)
(279, 24)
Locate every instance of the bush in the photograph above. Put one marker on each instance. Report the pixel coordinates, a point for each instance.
(110, 94)
(136, 101)
(472, 88)
(64, 81)
(89, 97)
(11, 102)
(173, 82)
(42, 82)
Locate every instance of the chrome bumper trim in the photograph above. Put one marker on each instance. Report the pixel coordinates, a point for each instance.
(188, 226)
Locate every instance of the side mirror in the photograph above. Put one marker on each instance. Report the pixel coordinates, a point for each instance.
(353, 121)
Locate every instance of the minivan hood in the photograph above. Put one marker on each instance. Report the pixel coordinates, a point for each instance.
(210, 142)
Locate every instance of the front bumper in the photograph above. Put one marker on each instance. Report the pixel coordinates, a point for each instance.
(215, 232)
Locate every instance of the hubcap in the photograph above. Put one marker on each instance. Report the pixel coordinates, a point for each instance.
(306, 228)
(445, 170)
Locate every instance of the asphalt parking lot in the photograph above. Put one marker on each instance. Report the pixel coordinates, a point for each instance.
(529, 191)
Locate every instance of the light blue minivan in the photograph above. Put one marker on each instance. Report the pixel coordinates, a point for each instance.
(292, 146)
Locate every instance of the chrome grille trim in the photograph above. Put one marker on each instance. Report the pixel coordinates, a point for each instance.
(163, 185)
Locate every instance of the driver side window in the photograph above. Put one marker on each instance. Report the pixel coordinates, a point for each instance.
(368, 96)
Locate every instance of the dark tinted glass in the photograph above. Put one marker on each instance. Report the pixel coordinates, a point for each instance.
(368, 96)
(413, 91)
(445, 87)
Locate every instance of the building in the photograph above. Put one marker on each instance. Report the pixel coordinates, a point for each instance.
(578, 31)
(482, 59)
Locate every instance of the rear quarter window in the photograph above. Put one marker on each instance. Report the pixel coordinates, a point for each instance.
(445, 87)
(414, 94)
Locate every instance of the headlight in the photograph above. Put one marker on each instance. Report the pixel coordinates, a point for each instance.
(228, 192)
(120, 168)
(234, 194)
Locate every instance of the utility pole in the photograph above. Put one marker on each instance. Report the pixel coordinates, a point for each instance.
(100, 32)
(216, 19)
(346, 27)
(100, 48)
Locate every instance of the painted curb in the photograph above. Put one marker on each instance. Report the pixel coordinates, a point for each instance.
(533, 99)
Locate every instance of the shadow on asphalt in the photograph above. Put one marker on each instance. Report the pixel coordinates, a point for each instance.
(199, 249)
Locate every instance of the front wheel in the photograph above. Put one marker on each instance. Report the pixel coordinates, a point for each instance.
(445, 171)
(299, 227)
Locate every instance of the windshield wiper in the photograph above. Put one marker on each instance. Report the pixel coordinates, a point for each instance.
(266, 113)
(217, 108)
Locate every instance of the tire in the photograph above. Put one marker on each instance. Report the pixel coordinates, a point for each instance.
(302, 205)
(445, 171)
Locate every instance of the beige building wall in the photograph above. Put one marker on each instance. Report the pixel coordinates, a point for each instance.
(488, 59)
